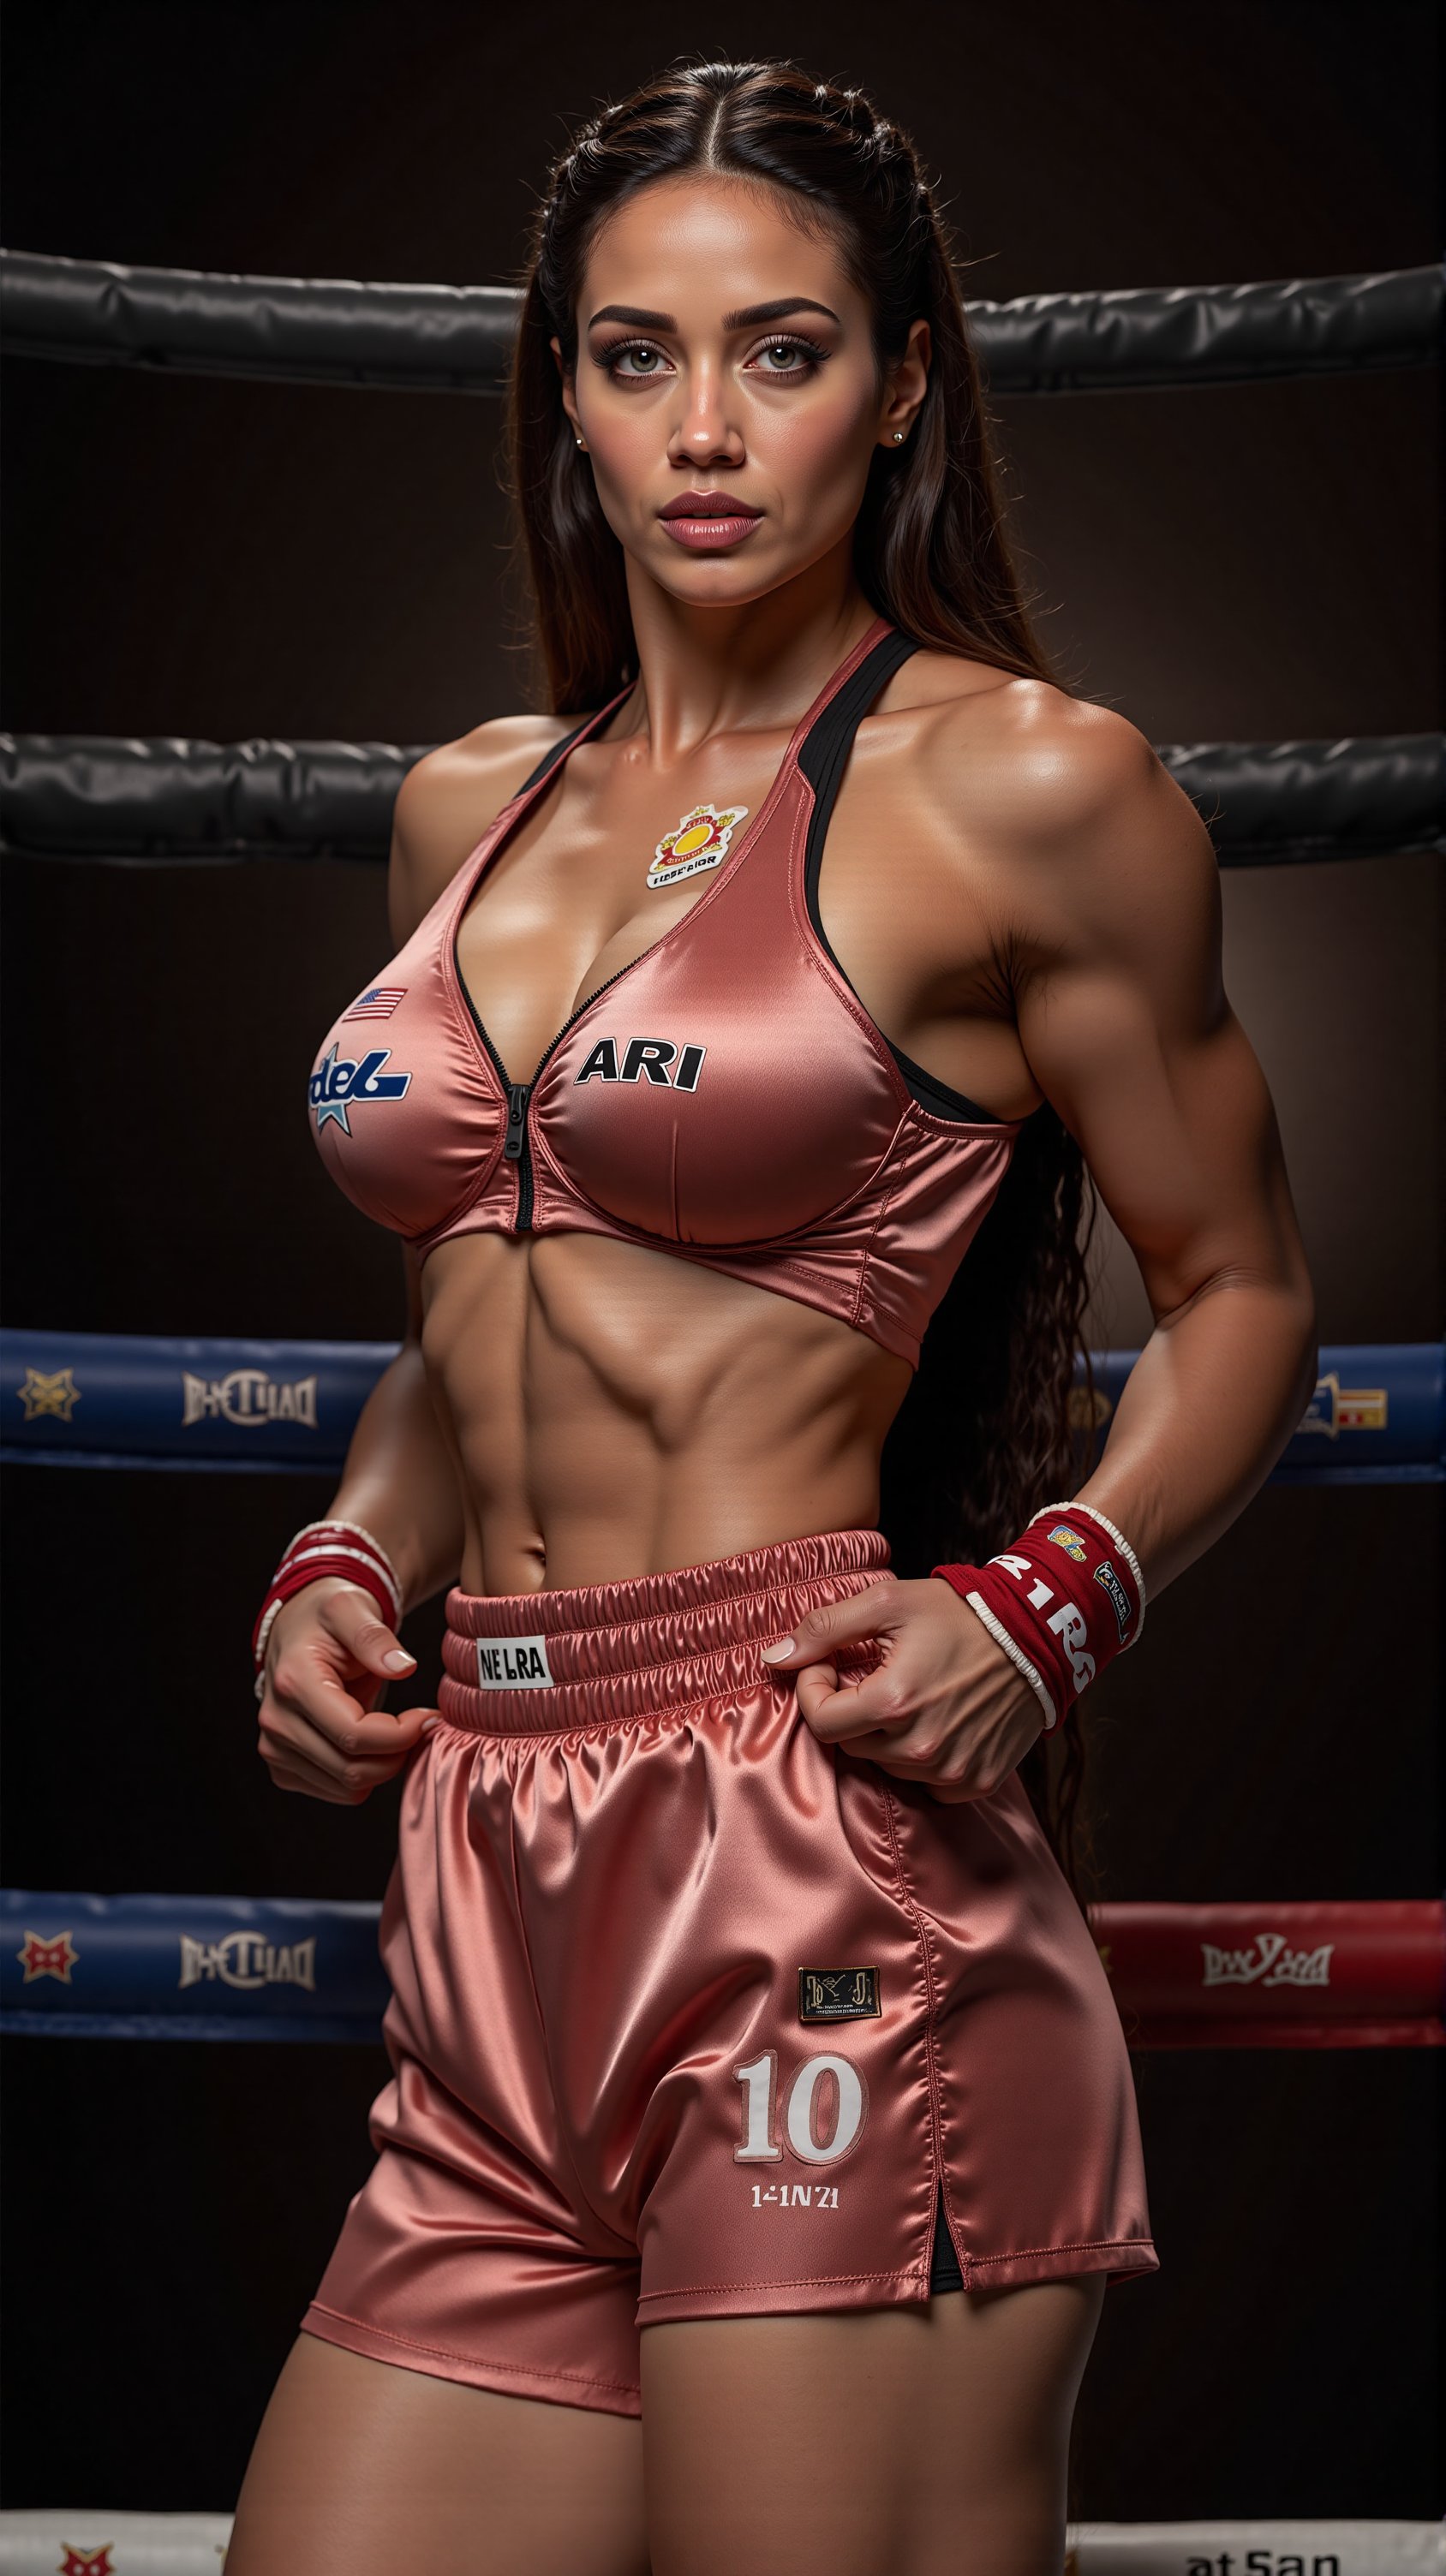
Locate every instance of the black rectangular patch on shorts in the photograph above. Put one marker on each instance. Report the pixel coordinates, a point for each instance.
(838, 1994)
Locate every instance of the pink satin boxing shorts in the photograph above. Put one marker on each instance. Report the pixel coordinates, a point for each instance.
(694, 2016)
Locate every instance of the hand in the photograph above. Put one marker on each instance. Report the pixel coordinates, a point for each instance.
(328, 1657)
(945, 1707)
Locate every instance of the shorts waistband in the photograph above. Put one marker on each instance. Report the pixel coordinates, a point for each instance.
(543, 1663)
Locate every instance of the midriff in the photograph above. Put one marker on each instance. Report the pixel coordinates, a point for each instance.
(616, 1411)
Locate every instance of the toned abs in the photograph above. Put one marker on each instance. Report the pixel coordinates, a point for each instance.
(615, 1410)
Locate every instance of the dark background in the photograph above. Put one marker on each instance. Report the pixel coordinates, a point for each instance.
(223, 560)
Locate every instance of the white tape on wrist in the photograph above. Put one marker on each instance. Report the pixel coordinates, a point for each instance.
(308, 1555)
(357, 1531)
(1017, 1657)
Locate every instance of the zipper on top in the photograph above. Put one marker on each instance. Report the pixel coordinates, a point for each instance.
(516, 1150)
(516, 1144)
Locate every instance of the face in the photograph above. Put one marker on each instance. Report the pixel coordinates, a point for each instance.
(727, 389)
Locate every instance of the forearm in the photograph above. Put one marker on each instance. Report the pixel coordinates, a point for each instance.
(1215, 1395)
(400, 1482)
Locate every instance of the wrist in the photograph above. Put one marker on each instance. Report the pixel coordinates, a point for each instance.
(1061, 1603)
(333, 1550)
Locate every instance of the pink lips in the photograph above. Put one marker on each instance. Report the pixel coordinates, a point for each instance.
(707, 523)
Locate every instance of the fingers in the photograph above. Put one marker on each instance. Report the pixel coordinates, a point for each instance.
(954, 1761)
(350, 1615)
(302, 1777)
(303, 1677)
(874, 1613)
(939, 1705)
(839, 1707)
(317, 1734)
(300, 1757)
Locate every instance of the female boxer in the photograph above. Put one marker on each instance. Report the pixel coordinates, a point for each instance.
(760, 2137)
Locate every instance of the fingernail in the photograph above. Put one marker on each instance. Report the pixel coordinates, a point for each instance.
(775, 1654)
(427, 1724)
(399, 1661)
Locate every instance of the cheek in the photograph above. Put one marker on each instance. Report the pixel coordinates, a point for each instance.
(820, 456)
(626, 443)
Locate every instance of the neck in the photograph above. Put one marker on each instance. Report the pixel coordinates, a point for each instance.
(705, 671)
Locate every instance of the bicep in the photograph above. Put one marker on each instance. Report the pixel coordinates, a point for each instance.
(1128, 1031)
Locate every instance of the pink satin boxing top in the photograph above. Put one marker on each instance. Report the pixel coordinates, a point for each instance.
(725, 1098)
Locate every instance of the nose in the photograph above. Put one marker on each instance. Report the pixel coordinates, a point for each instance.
(703, 433)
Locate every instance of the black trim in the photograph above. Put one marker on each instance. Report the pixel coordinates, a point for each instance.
(823, 758)
(550, 758)
(944, 2272)
(515, 1091)
(931, 1093)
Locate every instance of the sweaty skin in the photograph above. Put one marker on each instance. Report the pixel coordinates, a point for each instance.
(1029, 907)
(1024, 901)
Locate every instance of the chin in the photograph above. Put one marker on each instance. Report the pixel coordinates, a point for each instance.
(717, 581)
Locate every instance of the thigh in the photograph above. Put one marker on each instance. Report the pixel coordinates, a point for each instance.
(929, 2441)
(362, 2469)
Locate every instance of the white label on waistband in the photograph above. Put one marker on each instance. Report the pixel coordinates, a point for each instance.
(513, 1663)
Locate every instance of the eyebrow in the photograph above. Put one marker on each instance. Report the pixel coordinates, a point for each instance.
(745, 319)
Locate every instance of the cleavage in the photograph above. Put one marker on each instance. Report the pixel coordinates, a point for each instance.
(564, 907)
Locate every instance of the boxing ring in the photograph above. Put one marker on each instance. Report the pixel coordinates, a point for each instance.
(206, 1968)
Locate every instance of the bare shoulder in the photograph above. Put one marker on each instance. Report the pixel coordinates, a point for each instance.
(447, 800)
(1068, 798)
(1045, 762)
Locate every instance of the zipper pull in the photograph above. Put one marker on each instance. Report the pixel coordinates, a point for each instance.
(518, 1095)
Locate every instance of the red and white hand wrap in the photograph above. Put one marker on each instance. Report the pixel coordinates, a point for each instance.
(328, 1548)
(1062, 1602)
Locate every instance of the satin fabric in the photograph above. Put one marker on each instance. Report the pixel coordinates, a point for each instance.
(800, 1160)
(604, 2111)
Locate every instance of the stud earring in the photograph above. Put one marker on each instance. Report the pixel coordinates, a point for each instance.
(898, 438)
(582, 443)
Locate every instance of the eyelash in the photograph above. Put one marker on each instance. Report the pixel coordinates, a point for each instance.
(809, 350)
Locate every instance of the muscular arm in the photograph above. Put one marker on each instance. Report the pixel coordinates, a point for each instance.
(1106, 926)
(1124, 1021)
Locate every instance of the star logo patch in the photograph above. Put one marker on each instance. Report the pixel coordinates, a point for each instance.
(56, 1394)
(338, 1082)
(47, 1955)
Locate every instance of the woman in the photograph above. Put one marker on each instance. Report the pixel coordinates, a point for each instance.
(754, 2069)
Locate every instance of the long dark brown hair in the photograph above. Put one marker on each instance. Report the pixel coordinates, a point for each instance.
(984, 1435)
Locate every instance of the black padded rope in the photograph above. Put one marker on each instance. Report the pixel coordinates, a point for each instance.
(327, 331)
(77, 796)
(458, 339)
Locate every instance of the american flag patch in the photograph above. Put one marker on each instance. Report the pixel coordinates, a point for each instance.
(377, 1004)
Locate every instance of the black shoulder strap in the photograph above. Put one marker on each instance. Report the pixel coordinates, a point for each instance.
(823, 757)
(553, 755)
(824, 751)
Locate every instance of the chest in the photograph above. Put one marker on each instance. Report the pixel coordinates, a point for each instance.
(618, 855)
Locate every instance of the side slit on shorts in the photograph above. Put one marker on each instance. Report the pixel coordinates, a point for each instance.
(693, 2016)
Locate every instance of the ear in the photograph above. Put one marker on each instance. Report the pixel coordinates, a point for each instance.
(569, 387)
(907, 385)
